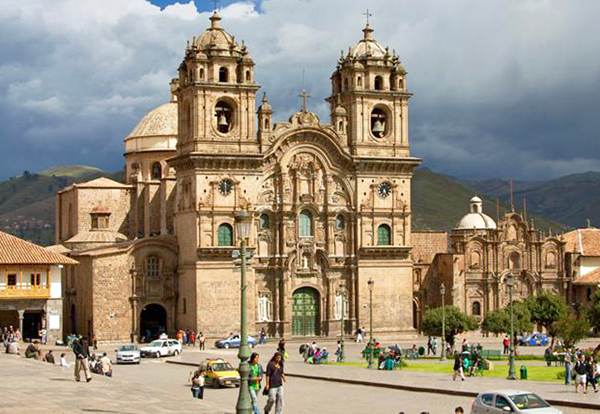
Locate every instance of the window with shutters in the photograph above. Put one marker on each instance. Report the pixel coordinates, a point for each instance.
(384, 235)
(225, 235)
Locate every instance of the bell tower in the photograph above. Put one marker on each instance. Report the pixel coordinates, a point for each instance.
(217, 95)
(369, 83)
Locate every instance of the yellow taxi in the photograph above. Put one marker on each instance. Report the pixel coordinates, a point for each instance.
(220, 373)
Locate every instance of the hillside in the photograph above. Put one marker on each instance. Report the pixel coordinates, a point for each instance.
(439, 201)
(27, 201)
(570, 200)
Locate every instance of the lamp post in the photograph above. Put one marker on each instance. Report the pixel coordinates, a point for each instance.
(511, 357)
(443, 293)
(371, 284)
(244, 405)
(342, 355)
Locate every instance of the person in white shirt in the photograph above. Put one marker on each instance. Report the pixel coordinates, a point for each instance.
(63, 361)
(106, 366)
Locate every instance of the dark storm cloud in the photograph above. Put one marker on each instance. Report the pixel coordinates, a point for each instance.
(503, 88)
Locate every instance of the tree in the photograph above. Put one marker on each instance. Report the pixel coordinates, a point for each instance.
(499, 321)
(456, 322)
(593, 314)
(546, 309)
(571, 330)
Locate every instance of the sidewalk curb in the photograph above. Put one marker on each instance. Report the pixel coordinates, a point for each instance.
(560, 403)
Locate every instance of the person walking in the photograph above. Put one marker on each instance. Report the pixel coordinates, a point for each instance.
(201, 341)
(274, 384)
(581, 370)
(256, 374)
(262, 336)
(198, 381)
(590, 376)
(82, 354)
(567, 367)
(434, 344)
(458, 368)
(429, 345)
(506, 343)
(359, 335)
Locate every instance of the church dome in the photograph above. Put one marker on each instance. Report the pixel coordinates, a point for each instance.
(367, 46)
(475, 219)
(216, 37)
(156, 131)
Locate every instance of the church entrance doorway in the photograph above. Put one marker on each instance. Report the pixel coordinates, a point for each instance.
(153, 322)
(305, 312)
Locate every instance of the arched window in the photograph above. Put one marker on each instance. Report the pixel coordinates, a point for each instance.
(359, 82)
(305, 223)
(378, 83)
(551, 259)
(152, 267)
(225, 235)
(201, 73)
(156, 171)
(340, 222)
(264, 222)
(384, 235)
(223, 75)
(475, 259)
(247, 76)
(476, 309)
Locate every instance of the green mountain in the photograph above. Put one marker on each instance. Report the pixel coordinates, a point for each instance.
(439, 201)
(27, 201)
(572, 199)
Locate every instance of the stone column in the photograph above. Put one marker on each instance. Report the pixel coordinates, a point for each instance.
(21, 317)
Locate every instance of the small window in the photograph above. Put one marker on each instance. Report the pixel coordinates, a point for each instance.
(225, 235)
(476, 308)
(378, 83)
(248, 76)
(201, 73)
(152, 267)
(266, 124)
(384, 235)
(36, 279)
(359, 82)
(339, 222)
(99, 221)
(156, 171)
(264, 221)
(487, 399)
(305, 223)
(223, 75)
(12, 280)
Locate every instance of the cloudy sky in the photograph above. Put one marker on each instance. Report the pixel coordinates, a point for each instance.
(503, 88)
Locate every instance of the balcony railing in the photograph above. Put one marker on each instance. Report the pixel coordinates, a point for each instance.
(17, 292)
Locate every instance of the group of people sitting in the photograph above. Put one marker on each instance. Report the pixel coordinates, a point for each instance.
(312, 354)
(101, 365)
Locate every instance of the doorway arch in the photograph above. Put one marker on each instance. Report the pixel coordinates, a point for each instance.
(305, 312)
(153, 322)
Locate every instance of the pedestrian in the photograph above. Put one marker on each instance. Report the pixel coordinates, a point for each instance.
(281, 349)
(201, 340)
(63, 361)
(82, 355)
(43, 335)
(198, 383)
(567, 367)
(274, 384)
(581, 370)
(465, 345)
(106, 367)
(262, 336)
(49, 357)
(429, 345)
(192, 339)
(434, 344)
(359, 335)
(184, 338)
(33, 351)
(505, 343)
(458, 368)
(95, 341)
(256, 374)
(592, 367)
(338, 352)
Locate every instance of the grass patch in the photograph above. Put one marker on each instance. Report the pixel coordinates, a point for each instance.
(534, 372)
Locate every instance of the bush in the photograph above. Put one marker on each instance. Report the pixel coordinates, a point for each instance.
(421, 351)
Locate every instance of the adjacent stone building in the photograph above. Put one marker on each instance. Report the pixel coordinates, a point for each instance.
(31, 287)
(582, 262)
(484, 254)
(331, 204)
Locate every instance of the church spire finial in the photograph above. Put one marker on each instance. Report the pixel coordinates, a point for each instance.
(367, 30)
(303, 95)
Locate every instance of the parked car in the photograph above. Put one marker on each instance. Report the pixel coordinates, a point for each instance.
(536, 339)
(128, 354)
(234, 342)
(513, 401)
(220, 373)
(161, 347)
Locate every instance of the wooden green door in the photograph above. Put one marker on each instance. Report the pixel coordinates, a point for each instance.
(305, 312)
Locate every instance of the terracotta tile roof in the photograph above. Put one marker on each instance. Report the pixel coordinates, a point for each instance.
(18, 251)
(592, 278)
(583, 241)
(426, 244)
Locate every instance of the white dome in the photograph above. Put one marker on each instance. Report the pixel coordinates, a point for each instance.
(367, 47)
(475, 219)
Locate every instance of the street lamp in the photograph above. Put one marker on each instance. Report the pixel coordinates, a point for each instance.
(342, 355)
(511, 357)
(443, 293)
(243, 219)
(371, 284)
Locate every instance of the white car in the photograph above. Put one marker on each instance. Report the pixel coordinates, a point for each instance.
(511, 401)
(162, 347)
(128, 354)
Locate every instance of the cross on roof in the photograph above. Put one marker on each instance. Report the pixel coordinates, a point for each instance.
(368, 15)
(304, 95)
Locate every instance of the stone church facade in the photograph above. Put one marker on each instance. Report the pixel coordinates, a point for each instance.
(331, 207)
